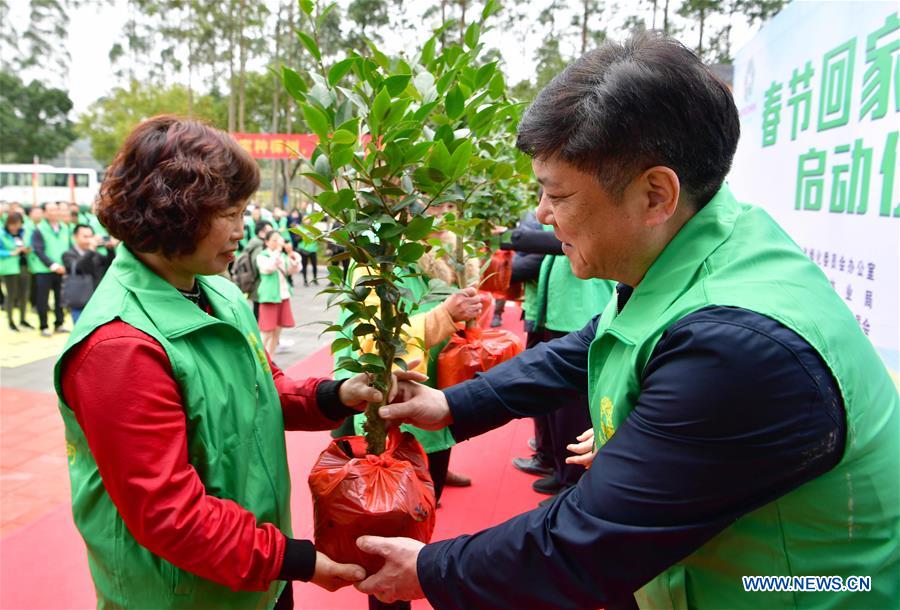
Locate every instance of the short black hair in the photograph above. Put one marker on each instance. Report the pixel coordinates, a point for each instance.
(80, 226)
(262, 224)
(625, 107)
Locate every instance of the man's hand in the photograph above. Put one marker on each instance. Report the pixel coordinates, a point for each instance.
(464, 305)
(357, 391)
(332, 576)
(583, 449)
(419, 405)
(398, 578)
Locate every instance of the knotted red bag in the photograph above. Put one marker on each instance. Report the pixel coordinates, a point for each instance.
(497, 276)
(382, 495)
(487, 309)
(474, 350)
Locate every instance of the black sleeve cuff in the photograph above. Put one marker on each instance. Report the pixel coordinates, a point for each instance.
(299, 560)
(329, 400)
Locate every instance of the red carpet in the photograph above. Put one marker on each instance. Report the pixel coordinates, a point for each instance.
(44, 565)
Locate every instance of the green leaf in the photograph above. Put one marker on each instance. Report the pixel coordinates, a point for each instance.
(454, 102)
(502, 171)
(498, 85)
(339, 70)
(473, 32)
(484, 74)
(363, 329)
(342, 156)
(410, 252)
(342, 136)
(381, 104)
(371, 360)
(349, 364)
(307, 41)
(340, 344)
(352, 126)
(316, 120)
(419, 227)
(460, 159)
(397, 83)
(440, 158)
(323, 167)
(295, 85)
(307, 6)
(428, 51)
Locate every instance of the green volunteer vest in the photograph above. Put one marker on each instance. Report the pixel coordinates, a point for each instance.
(55, 244)
(845, 522)
(575, 301)
(234, 424)
(269, 290)
(431, 440)
(9, 265)
(282, 228)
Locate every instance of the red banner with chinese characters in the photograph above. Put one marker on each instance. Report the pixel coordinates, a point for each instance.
(277, 145)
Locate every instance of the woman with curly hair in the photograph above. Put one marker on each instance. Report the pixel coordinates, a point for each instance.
(174, 413)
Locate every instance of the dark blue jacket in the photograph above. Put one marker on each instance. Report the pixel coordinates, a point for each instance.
(734, 411)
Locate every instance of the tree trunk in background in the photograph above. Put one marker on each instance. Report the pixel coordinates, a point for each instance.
(232, 102)
(584, 25)
(666, 18)
(242, 73)
(276, 106)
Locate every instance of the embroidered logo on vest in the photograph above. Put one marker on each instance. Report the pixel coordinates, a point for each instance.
(607, 428)
(260, 352)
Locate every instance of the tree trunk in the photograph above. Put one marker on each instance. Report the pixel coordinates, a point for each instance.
(276, 105)
(666, 17)
(190, 62)
(653, 26)
(242, 73)
(443, 21)
(700, 42)
(462, 22)
(232, 105)
(584, 25)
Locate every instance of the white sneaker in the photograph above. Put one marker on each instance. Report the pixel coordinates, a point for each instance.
(281, 348)
(286, 342)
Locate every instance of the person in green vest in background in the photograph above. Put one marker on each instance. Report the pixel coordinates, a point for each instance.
(49, 240)
(556, 304)
(174, 414)
(745, 446)
(14, 251)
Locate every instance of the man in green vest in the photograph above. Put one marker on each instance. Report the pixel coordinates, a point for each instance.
(50, 239)
(746, 435)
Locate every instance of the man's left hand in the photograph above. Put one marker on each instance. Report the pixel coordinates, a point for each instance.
(398, 578)
(357, 391)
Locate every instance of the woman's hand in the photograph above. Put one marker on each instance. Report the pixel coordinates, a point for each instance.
(464, 305)
(583, 449)
(332, 576)
(357, 391)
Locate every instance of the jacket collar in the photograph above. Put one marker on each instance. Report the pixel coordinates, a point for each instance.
(677, 267)
(171, 313)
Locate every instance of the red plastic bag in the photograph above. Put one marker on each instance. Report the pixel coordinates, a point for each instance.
(497, 276)
(487, 309)
(475, 350)
(383, 495)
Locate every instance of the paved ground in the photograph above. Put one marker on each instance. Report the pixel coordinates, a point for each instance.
(33, 475)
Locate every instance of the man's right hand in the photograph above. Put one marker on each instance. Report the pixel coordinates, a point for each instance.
(419, 405)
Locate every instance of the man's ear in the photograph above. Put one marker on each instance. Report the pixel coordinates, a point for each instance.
(660, 190)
